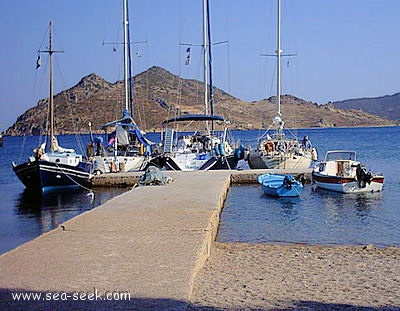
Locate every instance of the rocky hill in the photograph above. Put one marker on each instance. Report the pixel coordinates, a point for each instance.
(160, 95)
(386, 106)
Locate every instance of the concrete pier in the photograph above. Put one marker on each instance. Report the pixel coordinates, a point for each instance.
(237, 177)
(149, 243)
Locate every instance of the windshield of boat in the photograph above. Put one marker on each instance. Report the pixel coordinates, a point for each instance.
(340, 155)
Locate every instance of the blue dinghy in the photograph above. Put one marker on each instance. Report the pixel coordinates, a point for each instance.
(280, 185)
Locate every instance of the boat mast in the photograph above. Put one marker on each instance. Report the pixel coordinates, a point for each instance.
(278, 54)
(205, 56)
(126, 56)
(51, 101)
(50, 51)
(208, 88)
(211, 91)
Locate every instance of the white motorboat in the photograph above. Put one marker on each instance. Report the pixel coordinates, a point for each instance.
(341, 172)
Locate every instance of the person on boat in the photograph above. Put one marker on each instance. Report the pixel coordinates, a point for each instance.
(306, 143)
(38, 153)
(111, 141)
(99, 146)
(90, 150)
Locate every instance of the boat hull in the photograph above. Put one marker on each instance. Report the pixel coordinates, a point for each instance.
(259, 160)
(280, 185)
(347, 184)
(192, 162)
(110, 164)
(47, 176)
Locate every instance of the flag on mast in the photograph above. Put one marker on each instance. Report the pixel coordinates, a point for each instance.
(187, 62)
(38, 62)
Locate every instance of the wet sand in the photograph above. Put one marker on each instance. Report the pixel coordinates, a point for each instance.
(240, 276)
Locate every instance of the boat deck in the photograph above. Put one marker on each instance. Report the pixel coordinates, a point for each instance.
(149, 242)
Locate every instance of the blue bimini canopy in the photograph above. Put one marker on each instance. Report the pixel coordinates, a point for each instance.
(126, 119)
(127, 124)
(194, 117)
(141, 137)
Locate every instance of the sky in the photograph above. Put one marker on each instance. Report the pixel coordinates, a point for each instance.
(344, 48)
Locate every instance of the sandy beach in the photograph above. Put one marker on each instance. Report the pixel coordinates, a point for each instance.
(241, 276)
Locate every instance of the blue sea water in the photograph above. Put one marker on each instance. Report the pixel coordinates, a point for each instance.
(323, 217)
(24, 215)
(316, 217)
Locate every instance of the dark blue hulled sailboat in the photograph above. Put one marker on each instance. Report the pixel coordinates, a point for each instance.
(57, 167)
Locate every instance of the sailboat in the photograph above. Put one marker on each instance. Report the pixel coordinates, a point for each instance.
(279, 151)
(125, 148)
(198, 150)
(57, 167)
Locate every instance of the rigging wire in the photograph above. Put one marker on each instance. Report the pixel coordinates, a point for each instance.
(180, 80)
(141, 107)
(130, 78)
(75, 122)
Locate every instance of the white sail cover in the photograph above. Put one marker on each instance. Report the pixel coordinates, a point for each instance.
(56, 147)
(122, 136)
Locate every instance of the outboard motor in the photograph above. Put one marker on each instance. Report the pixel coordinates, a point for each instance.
(363, 176)
(288, 181)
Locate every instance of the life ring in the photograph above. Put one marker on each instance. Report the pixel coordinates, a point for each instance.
(269, 146)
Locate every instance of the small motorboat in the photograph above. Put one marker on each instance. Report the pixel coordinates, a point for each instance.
(341, 172)
(280, 185)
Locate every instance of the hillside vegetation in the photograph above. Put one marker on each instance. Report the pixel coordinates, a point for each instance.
(160, 95)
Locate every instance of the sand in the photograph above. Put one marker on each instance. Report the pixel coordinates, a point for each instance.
(241, 276)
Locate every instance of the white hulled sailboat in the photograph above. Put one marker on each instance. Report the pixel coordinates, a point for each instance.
(200, 150)
(278, 150)
(126, 148)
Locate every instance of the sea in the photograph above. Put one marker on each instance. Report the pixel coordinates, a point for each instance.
(316, 217)
(321, 217)
(25, 215)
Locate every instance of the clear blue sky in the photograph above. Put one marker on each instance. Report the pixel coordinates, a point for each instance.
(345, 48)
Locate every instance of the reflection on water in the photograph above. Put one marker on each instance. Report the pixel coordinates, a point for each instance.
(35, 213)
(51, 209)
(315, 217)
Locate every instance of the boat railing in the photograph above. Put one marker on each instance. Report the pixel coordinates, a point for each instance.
(340, 155)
